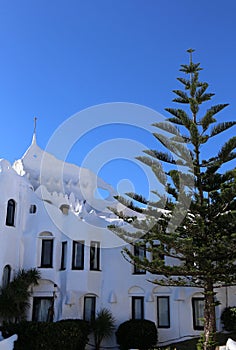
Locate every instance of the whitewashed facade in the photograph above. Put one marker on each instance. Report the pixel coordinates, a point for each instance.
(51, 220)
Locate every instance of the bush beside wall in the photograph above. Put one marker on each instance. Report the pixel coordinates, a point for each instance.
(228, 318)
(137, 334)
(61, 335)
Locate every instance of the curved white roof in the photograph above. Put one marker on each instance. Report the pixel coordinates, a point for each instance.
(43, 170)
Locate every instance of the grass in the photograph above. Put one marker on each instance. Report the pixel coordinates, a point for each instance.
(191, 344)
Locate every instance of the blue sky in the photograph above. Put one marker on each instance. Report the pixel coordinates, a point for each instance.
(60, 57)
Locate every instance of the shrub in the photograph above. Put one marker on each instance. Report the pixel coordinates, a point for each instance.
(103, 326)
(228, 318)
(137, 334)
(61, 335)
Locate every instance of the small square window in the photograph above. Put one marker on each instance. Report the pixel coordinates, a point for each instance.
(65, 209)
(33, 209)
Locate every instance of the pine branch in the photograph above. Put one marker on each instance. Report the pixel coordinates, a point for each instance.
(164, 157)
(137, 197)
(155, 166)
(128, 204)
(167, 127)
(180, 150)
(185, 82)
(208, 117)
(190, 68)
(182, 139)
(205, 97)
(200, 92)
(219, 128)
(226, 153)
(175, 121)
(183, 97)
(181, 115)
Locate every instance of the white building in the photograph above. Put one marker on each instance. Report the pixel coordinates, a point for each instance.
(51, 219)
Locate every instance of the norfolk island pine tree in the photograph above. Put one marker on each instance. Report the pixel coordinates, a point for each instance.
(204, 242)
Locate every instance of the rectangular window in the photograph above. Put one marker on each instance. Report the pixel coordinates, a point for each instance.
(140, 252)
(138, 308)
(78, 255)
(89, 308)
(198, 313)
(63, 255)
(47, 253)
(163, 312)
(95, 256)
(11, 207)
(42, 309)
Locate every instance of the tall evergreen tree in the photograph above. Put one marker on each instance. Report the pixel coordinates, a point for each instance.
(197, 227)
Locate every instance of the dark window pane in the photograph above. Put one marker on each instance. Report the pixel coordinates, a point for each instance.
(138, 308)
(163, 312)
(198, 313)
(94, 255)
(63, 255)
(46, 256)
(78, 256)
(33, 209)
(6, 276)
(10, 218)
(89, 308)
(42, 309)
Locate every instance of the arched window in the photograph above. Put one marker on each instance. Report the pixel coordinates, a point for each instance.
(10, 218)
(6, 276)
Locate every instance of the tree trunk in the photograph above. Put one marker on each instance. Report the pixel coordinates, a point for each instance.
(209, 317)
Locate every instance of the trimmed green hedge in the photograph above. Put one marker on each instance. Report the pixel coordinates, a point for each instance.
(228, 318)
(137, 334)
(61, 335)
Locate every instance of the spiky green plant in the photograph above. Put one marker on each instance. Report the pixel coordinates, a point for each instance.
(14, 297)
(103, 326)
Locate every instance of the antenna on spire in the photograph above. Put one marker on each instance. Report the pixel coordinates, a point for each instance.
(35, 124)
(34, 134)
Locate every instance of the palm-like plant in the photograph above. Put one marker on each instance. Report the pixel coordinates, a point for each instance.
(103, 326)
(14, 297)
